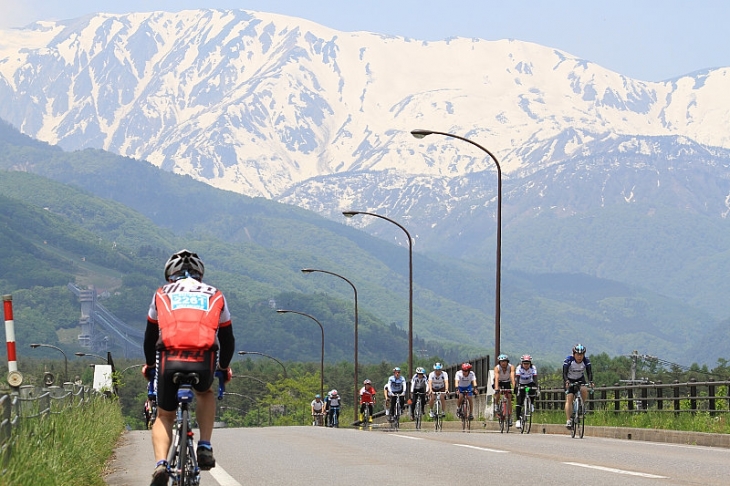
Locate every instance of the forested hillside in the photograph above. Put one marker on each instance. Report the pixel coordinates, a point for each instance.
(94, 218)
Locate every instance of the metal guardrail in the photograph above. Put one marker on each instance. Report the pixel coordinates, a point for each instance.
(32, 402)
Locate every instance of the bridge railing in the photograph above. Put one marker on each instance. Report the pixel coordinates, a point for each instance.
(692, 396)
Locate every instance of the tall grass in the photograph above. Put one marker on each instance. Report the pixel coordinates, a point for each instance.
(718, 423)
(66, 448)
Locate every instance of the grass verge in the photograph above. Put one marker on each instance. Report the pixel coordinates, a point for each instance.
(66, 448)
(684, 421)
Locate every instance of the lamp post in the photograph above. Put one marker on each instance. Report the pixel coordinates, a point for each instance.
(357, 381)
(242, 353)
(350, 214)
(130, 367)
(91, 356)
(65, 358)
(418, 133)
(321, 361)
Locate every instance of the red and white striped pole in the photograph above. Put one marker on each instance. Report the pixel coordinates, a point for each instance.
(10, 333)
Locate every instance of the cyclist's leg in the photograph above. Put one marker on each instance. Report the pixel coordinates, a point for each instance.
(569, 396)
(470, 397)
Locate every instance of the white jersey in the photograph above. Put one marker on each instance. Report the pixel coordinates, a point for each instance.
(317, 406)
(438, 382)
(526, 376)
(463, 381)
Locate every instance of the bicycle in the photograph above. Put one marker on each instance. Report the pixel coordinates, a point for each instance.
(182, 462)
(334, 417)
(527, 409)
(438, 415)
(397, 410)
(578, 423)
(464, 411)
(318, 419)
(418, 412)
(504, 412)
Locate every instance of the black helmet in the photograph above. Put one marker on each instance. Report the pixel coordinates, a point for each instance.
(184, 261)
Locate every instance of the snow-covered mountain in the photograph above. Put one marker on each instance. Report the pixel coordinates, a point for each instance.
(260, 103)
(279, 107)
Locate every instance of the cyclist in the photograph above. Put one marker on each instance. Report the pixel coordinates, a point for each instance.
(504, 379)
(466, 384)
(575, 370)
(526, 375)
(438, 381)
(419, 388)
(317, 407)
(395, 390)
(367, 400)
(189, 330)
(333, 407)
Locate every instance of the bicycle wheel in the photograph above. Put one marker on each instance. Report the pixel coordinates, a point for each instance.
(468, 416)
(438, 418)
(576, 416)
(501, 414)
(418, 414)
(527, 415)
(182, 444)
(366, 416)
(582, 425)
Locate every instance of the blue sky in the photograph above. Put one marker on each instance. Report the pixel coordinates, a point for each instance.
(651, 40)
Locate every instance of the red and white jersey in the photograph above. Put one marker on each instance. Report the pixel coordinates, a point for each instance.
(188, 314)
(367, 394)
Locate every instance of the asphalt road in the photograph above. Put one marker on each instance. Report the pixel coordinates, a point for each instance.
(295, 456)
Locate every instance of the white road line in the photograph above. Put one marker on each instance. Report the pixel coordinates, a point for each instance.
(480, 448)
(407, 437)
(223, 478)
(617, 471)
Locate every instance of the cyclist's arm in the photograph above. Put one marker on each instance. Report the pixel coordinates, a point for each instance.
(566, 366)
(227, 346)
(151, 335)
(496, 378)
(589, 371)
(512, 376)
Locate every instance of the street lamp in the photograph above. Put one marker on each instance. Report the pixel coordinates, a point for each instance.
(130, 367)
(65, 358)
(266, 356)
(321, 361)
(91, 356)
(357, 381)
(497, 305)
(350, 214)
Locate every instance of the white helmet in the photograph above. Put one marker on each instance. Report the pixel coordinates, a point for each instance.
(184, 261)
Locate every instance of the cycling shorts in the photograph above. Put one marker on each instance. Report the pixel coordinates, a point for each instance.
(466, 389)
(505, 385)
(170, 363)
